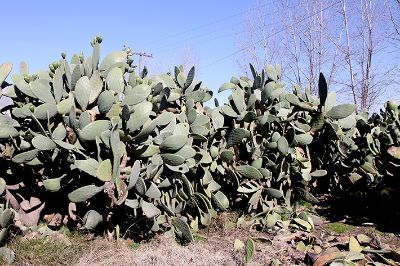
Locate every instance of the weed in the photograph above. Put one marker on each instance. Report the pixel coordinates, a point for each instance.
(135, 245)
(44, 250)
(338, 228)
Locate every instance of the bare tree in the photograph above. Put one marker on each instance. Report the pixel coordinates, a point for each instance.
(257, 41)
(187, 57)
(296, 36)
(394, 10)
(348, 52)
(346, 40)
(367, 16)
(370, 70)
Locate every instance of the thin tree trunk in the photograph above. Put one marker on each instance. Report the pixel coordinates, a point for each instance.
(369, 52)
(349, 60)
(321, 27)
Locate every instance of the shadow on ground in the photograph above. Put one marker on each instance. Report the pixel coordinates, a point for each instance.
(368, 209)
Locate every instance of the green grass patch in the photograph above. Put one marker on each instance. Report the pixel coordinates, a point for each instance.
(47, 250)
(199, 238)
(338, 228)
(229, 225)
(135, 245)
(305, 204)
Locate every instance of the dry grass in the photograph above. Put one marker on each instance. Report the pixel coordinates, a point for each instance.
(160, 251)
(216, 250)
(212, 246)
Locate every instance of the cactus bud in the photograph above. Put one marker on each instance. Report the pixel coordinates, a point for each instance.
(154, 100)
(99, 39)
(392, 105)
(56, 64)
(63, 55)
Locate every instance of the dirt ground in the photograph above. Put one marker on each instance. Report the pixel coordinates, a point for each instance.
(218, 249)
(215, 250)
(212, 247)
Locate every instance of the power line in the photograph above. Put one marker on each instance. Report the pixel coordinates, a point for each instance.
(142, 54)
(207, 24)
(271, 35)
(174, 46)
(204, 40)
(177, 46)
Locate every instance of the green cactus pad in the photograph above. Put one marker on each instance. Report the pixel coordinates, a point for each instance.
(94, 129)
(84, 193)
(43, 143)
(249, 172)
(149, 209)
(341, 111)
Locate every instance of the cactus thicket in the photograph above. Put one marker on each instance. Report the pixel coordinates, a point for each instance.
(117, 149)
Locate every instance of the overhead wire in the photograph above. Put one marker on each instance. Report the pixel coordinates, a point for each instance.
(177, 46)
(270, 35)
(206, 25)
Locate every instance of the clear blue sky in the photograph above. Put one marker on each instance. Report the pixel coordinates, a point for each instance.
(37, 31)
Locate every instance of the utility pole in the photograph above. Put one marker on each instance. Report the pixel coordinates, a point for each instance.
(142, 54)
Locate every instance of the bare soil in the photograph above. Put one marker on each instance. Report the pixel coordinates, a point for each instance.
(215, 246)
(217, 249)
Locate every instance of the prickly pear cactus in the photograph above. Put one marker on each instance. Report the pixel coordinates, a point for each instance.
(105, 141)
(265, 139)
(144, 154)
(6, 220)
